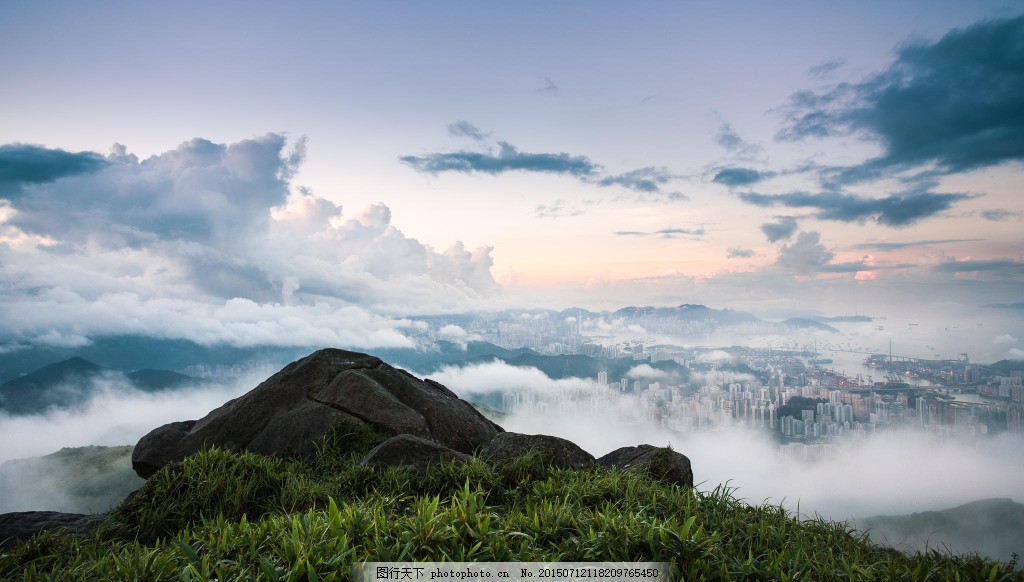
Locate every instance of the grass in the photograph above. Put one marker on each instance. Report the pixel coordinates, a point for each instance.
(240, 516)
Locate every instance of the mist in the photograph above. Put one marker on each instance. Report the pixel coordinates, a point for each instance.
(116, 414)
(891, 472)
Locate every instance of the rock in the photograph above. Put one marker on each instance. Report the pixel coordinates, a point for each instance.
(22, 525)
(556, 452)
(287, 413)
(411, 451)
(662, 463)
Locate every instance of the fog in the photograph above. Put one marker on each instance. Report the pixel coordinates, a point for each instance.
(889, 473)
(117, 414)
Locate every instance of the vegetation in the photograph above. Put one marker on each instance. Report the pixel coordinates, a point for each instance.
(241, 516)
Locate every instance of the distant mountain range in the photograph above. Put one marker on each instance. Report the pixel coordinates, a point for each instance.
(993, 527)
(70, 383)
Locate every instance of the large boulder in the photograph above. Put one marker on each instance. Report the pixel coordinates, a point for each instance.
(290, 411)
(658, 462)
(411, 452)
(554, 451)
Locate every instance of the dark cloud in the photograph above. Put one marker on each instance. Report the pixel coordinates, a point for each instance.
(648, 180)
(508, 159)
(467, 129)
(665, 232)
(1007, 266)
(895, 246)
(998, 214)
(735, 253)
(957, 104)
(740, 176)
(28, 164)
(781, 230)
(896, 210)
(825, 70)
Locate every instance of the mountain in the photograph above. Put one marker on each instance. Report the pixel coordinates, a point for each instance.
(134, 352)
(688, 312)
(992, 527)
(70, 383)
(804, 323)
(77, 480)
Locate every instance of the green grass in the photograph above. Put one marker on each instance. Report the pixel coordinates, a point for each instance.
(229, 516)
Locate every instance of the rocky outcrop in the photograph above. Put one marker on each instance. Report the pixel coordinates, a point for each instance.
(289, 412)
(658, 462)
(554, 451)
(412, 452)
(22, 525)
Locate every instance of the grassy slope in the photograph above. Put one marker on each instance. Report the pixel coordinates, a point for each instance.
(247, 517)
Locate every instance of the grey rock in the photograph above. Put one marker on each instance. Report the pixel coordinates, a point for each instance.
(287, 413)
(411, 451)
(659, 462)
(22, 525)
(554, 451)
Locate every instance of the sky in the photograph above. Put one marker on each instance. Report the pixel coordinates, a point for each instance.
(319, 173)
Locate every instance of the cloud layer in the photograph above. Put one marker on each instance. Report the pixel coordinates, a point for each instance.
(212, 243)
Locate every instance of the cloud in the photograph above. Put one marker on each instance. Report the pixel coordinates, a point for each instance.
(728, 139)
(895, 246)
(897, 210)
(956, 103)
(210, 242)
(647, 180)
(824, 70)
(1003, 266)
(645, 371)
(781, 230)
(740, 176)
(998, 214)
(508, 159)
(22, 164)
(665, 232)
(549, 88)
(556, 209)
(1004, 339)
(807, 255)
(467, 129)
(735, 253)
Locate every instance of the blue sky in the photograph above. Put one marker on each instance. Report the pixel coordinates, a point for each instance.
(277, 162)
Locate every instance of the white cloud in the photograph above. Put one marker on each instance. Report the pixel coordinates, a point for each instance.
(1004, 339)
(212, 243)
(645, 371)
